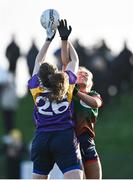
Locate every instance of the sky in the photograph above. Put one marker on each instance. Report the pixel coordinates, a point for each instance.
(91, 20)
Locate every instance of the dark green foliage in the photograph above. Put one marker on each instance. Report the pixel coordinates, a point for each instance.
(114, 139)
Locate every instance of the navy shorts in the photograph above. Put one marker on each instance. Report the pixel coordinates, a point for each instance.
(87, 147)
(50, 147)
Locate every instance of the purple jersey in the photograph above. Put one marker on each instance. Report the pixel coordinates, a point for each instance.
(51, 116)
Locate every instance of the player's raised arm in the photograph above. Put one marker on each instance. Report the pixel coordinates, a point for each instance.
(69, 55)
(73, 64)
(64, 32)
(43, 51)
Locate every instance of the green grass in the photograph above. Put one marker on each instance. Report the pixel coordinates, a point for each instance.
(114, 135)
(24, 118)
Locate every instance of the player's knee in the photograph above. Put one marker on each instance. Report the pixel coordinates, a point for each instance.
(74, 174)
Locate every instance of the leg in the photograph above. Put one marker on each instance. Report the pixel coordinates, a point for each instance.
(92, 165)
(41, 157)
(38, 176)
(67, 154)
(93, 169)
(74, 174)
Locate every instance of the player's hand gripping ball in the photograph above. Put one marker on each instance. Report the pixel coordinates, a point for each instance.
(50, 16)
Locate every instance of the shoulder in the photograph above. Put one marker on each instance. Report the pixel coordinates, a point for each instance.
(33, 82)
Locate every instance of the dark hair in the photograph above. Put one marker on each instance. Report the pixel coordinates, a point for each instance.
(44, 72)
(53, 80)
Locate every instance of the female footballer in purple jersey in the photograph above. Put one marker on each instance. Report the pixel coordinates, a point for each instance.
(86, 104)
(54, 140)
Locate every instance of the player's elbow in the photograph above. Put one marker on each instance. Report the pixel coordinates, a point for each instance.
(97, 103)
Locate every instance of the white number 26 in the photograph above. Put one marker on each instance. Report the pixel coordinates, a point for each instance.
(48, 108)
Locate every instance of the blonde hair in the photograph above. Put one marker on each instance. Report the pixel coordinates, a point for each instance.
(89, 82)
(84, 69)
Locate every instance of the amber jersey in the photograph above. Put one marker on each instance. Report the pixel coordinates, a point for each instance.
(85, 115)
(51, 116)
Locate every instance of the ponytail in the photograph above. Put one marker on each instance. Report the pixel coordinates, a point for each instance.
(57, 85)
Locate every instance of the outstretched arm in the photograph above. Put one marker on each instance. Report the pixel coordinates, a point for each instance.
(73, 64)
(69, 55)
(42, 53)
(41, 56)
(65, 53)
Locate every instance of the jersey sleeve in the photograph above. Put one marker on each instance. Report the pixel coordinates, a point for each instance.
(33, 82)
(72, 77)
(33, 86)
(72, 81)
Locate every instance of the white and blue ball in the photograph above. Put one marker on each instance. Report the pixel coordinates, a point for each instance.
(50, 16)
